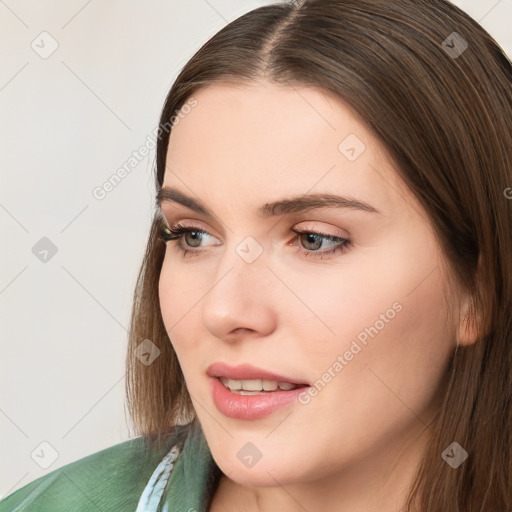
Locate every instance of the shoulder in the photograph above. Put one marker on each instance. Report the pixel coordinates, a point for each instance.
(111, 479)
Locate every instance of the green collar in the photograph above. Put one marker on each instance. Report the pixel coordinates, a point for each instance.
(195, 475)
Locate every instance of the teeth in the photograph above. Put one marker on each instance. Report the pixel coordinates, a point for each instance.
(269, 385)
(252, 385)
(255, 385)
(286, 386)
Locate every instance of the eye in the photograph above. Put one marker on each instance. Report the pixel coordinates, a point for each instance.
(187, 237)
(179, 233)
(316, 240)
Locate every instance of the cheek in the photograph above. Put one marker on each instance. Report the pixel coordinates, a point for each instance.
(415, 348)
(182, 320)
(395, 359)
(177, 296)
(379, 373)
(381, 327)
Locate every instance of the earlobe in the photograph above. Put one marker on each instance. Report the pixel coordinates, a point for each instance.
(467, 333)
(470, 328)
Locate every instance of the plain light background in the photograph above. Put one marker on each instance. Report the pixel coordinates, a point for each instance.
(68, 121)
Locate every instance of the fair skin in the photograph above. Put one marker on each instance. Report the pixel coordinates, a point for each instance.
(356, 445)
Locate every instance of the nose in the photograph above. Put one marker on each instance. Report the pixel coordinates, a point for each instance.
(240, 300)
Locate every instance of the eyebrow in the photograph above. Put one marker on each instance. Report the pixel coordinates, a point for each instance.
(294, 204)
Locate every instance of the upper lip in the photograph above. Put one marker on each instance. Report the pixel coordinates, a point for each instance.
(248, 372)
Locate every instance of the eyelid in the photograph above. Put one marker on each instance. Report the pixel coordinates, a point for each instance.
(333, 231)
(183, 228)
(189, 222)
(193, 224)
(174, 215)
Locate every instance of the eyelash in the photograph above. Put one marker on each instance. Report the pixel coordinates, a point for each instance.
(176, 233)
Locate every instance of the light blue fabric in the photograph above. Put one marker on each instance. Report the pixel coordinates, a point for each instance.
(151, 497)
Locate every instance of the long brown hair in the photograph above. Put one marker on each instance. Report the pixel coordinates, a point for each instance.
(435, 88)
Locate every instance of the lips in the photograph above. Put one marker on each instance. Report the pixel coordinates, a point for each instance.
(248, 372)
(234, 391)
(250, 405)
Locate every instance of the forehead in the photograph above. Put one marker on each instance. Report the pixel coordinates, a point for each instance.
(265, 113)
(259, 140)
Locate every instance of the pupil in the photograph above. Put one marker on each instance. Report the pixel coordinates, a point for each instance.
(196, 237)
(311, 238)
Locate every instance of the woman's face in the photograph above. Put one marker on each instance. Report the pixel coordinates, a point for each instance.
(369, 326)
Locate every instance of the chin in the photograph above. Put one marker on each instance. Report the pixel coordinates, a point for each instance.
(261, 474)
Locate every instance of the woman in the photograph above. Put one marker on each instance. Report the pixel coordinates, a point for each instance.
(323, 315)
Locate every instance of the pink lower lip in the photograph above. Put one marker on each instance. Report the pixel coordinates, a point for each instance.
(250, 407)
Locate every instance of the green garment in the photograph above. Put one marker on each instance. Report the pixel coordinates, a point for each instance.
(115, 479)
